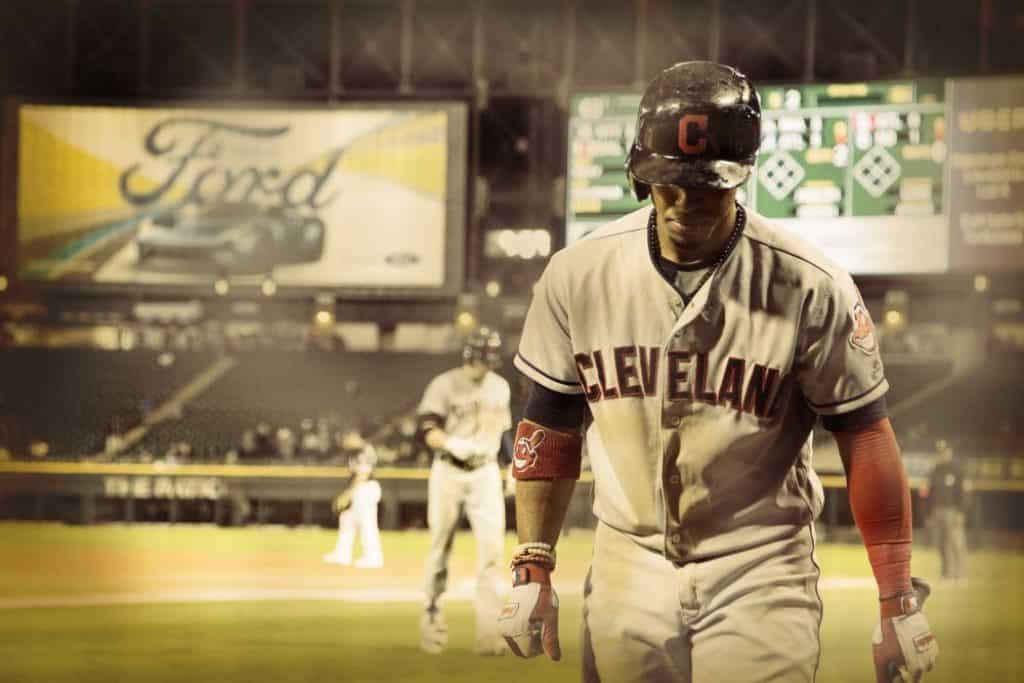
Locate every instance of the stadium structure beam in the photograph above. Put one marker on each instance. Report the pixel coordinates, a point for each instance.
(70, 36)
(810, 39)
(864, 33)
(334, 84)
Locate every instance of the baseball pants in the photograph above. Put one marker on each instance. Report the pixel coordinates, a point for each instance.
(951, 539)
(361, 516)
(747, 617)
(480, 492)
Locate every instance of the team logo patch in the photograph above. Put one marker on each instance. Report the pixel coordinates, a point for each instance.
(509, 610)
(693, 133)
(863, 335)
(924, 641)
(525, 454)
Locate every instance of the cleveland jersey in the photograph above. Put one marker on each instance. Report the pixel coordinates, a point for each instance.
(700, 442)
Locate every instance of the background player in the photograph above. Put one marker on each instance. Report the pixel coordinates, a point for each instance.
(706, 343)
(946, 493)
(356, 507)
(462, 416)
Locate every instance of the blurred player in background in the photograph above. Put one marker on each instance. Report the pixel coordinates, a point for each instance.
(705, 343)
(462, 417)
(356, 507)
(946, 493)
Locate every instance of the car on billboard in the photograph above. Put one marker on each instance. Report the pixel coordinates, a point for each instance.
(229, 236)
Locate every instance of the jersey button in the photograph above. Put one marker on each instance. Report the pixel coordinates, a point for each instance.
(674, 480)
(674, 421)
(675, 538)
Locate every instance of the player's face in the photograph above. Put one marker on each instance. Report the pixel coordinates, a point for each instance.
(690, 217)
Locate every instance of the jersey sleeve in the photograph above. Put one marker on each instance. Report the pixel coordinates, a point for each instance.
(840, 368)
(506, 414)
(545, 348)
(435, 399)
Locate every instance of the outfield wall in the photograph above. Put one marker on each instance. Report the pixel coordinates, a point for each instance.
(88, 492)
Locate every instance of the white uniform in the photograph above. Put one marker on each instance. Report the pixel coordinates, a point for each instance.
(478, 412)
(700, 444)
(361, 517)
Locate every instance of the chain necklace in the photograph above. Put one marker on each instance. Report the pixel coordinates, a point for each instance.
(655, 248)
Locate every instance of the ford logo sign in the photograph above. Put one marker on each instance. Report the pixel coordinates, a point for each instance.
(402, 258)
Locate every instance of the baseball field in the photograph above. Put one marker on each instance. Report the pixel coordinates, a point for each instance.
(194, 603)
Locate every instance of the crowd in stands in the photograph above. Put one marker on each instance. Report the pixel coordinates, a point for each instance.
(293, 407)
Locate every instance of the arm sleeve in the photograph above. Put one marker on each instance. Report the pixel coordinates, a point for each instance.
(880, 502)
(564, 412)
(839, 367)
(545, 348)
(857, 419)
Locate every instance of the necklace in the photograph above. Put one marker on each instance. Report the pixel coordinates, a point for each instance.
(655, 248)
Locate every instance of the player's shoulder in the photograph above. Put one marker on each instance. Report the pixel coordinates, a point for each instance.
(791, 254)
(446, 378)
(604, 244)
(499, 383)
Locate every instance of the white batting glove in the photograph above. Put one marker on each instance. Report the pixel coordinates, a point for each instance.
(529, 620)
(461, 448)
(903, 646)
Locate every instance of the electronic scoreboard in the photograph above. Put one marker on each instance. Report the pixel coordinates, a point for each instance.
(878, 175)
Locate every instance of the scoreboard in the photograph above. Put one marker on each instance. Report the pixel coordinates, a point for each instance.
(862, 170)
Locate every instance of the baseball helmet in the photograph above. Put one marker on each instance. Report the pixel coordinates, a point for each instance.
(484, 345)
(699, 126)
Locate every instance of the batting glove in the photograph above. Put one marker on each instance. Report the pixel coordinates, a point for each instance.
(903, 645)
(461, 448)
(529, 620)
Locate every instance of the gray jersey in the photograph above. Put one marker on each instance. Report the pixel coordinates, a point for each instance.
(473, 411)
(701, 439)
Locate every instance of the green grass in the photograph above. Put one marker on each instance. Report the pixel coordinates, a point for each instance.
(980, 627)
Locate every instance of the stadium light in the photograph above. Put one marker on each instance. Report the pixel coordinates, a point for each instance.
(221, 286)
(268, 287)
(3, 283)
(493, 289)
(981, 283)
(893, 318)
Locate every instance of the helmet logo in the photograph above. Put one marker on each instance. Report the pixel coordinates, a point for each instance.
(693, 133)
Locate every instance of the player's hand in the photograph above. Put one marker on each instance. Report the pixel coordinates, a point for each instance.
(903, 645)
(529, 620)
(461, 448)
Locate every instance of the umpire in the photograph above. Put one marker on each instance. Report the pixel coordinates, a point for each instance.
(947, 496)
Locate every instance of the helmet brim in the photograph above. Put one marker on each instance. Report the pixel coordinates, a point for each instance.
(658, 169)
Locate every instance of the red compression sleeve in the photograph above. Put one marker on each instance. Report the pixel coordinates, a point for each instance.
(880, 501)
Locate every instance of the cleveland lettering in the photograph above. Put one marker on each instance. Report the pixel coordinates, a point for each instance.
(632, 372)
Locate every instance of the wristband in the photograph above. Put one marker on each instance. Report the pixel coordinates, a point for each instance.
(543, 453)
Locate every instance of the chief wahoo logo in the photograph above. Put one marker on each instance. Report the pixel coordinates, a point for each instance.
(524, 456)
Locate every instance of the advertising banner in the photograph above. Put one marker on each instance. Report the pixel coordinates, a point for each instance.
(364, 197)
(987, 173)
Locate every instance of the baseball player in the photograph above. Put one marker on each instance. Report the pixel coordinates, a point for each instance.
(691, 346)
(462, 416)
(947, 491)
(356, 508)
